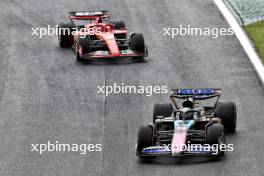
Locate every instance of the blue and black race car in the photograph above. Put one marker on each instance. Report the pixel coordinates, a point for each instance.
(188, 127)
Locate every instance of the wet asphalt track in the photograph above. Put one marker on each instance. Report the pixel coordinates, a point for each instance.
(45, 95)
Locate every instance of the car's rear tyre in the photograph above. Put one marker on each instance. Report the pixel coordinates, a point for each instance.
(226, 111)
(65, 35)
(138, 42)
(215, 135)
(83, 46)
(164, 110)
(145, 138)
(118, 24)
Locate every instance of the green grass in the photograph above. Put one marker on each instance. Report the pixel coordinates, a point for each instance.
(255, 32)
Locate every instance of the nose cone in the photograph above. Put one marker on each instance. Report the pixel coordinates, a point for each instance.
(112, 45)
(115, 53)
(178, 142)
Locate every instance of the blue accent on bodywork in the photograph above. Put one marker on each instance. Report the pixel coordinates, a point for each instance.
(187, 123)
(155, 151)
(163, 150)
(196, 91)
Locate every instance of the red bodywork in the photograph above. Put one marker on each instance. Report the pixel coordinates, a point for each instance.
(106, 34)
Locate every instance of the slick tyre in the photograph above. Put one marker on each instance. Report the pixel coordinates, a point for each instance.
(226, 111)
(164, 110)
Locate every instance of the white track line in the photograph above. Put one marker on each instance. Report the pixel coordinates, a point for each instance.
(243, 39)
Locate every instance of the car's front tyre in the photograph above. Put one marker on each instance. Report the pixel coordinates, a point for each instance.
(65, 36)
(137, 43)
(145, 138)
(83, 46)
(215, 136)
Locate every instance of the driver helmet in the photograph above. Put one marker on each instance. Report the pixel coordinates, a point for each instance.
(187, 113)
(188, 103)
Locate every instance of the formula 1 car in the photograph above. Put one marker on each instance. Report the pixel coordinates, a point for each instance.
(92, 35)
(189, 128)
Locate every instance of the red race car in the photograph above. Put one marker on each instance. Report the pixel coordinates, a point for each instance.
(92, 35)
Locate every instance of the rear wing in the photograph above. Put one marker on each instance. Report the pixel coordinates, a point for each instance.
(195, 94)
(89, 13)
(198, 94)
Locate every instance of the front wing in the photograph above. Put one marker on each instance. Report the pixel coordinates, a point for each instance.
(166, 151)
(107, 54)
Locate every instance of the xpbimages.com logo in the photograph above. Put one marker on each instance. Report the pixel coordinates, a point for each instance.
(60, 147)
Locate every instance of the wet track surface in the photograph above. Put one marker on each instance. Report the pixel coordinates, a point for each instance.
(46, 95)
